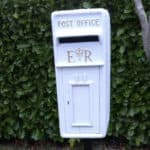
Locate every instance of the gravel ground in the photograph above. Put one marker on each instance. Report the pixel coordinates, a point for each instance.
(112, 144)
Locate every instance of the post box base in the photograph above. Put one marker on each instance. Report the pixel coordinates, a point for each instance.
(88, 136)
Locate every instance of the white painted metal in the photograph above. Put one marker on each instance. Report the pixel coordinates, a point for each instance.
(81, 41)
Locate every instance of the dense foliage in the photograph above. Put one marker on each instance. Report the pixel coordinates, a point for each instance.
(28, 107)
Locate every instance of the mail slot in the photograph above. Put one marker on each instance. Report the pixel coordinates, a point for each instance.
(81, 40)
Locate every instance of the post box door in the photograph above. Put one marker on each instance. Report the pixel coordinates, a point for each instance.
(81, 99)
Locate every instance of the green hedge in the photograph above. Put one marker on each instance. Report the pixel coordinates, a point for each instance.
(28, 106)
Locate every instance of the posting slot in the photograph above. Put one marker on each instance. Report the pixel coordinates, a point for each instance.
(78, 39)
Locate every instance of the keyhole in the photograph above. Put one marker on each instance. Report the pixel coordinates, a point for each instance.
(68, 102)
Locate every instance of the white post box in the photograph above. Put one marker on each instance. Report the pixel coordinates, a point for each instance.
(81, 41)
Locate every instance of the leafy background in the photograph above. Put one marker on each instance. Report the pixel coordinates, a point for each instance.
(28, 105)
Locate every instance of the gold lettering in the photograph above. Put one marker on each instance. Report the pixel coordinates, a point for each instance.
(97, 22)
(65, 23)
(70, 56)
(88, 55)
(88, 22)
(68, 23)
(77, 55)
